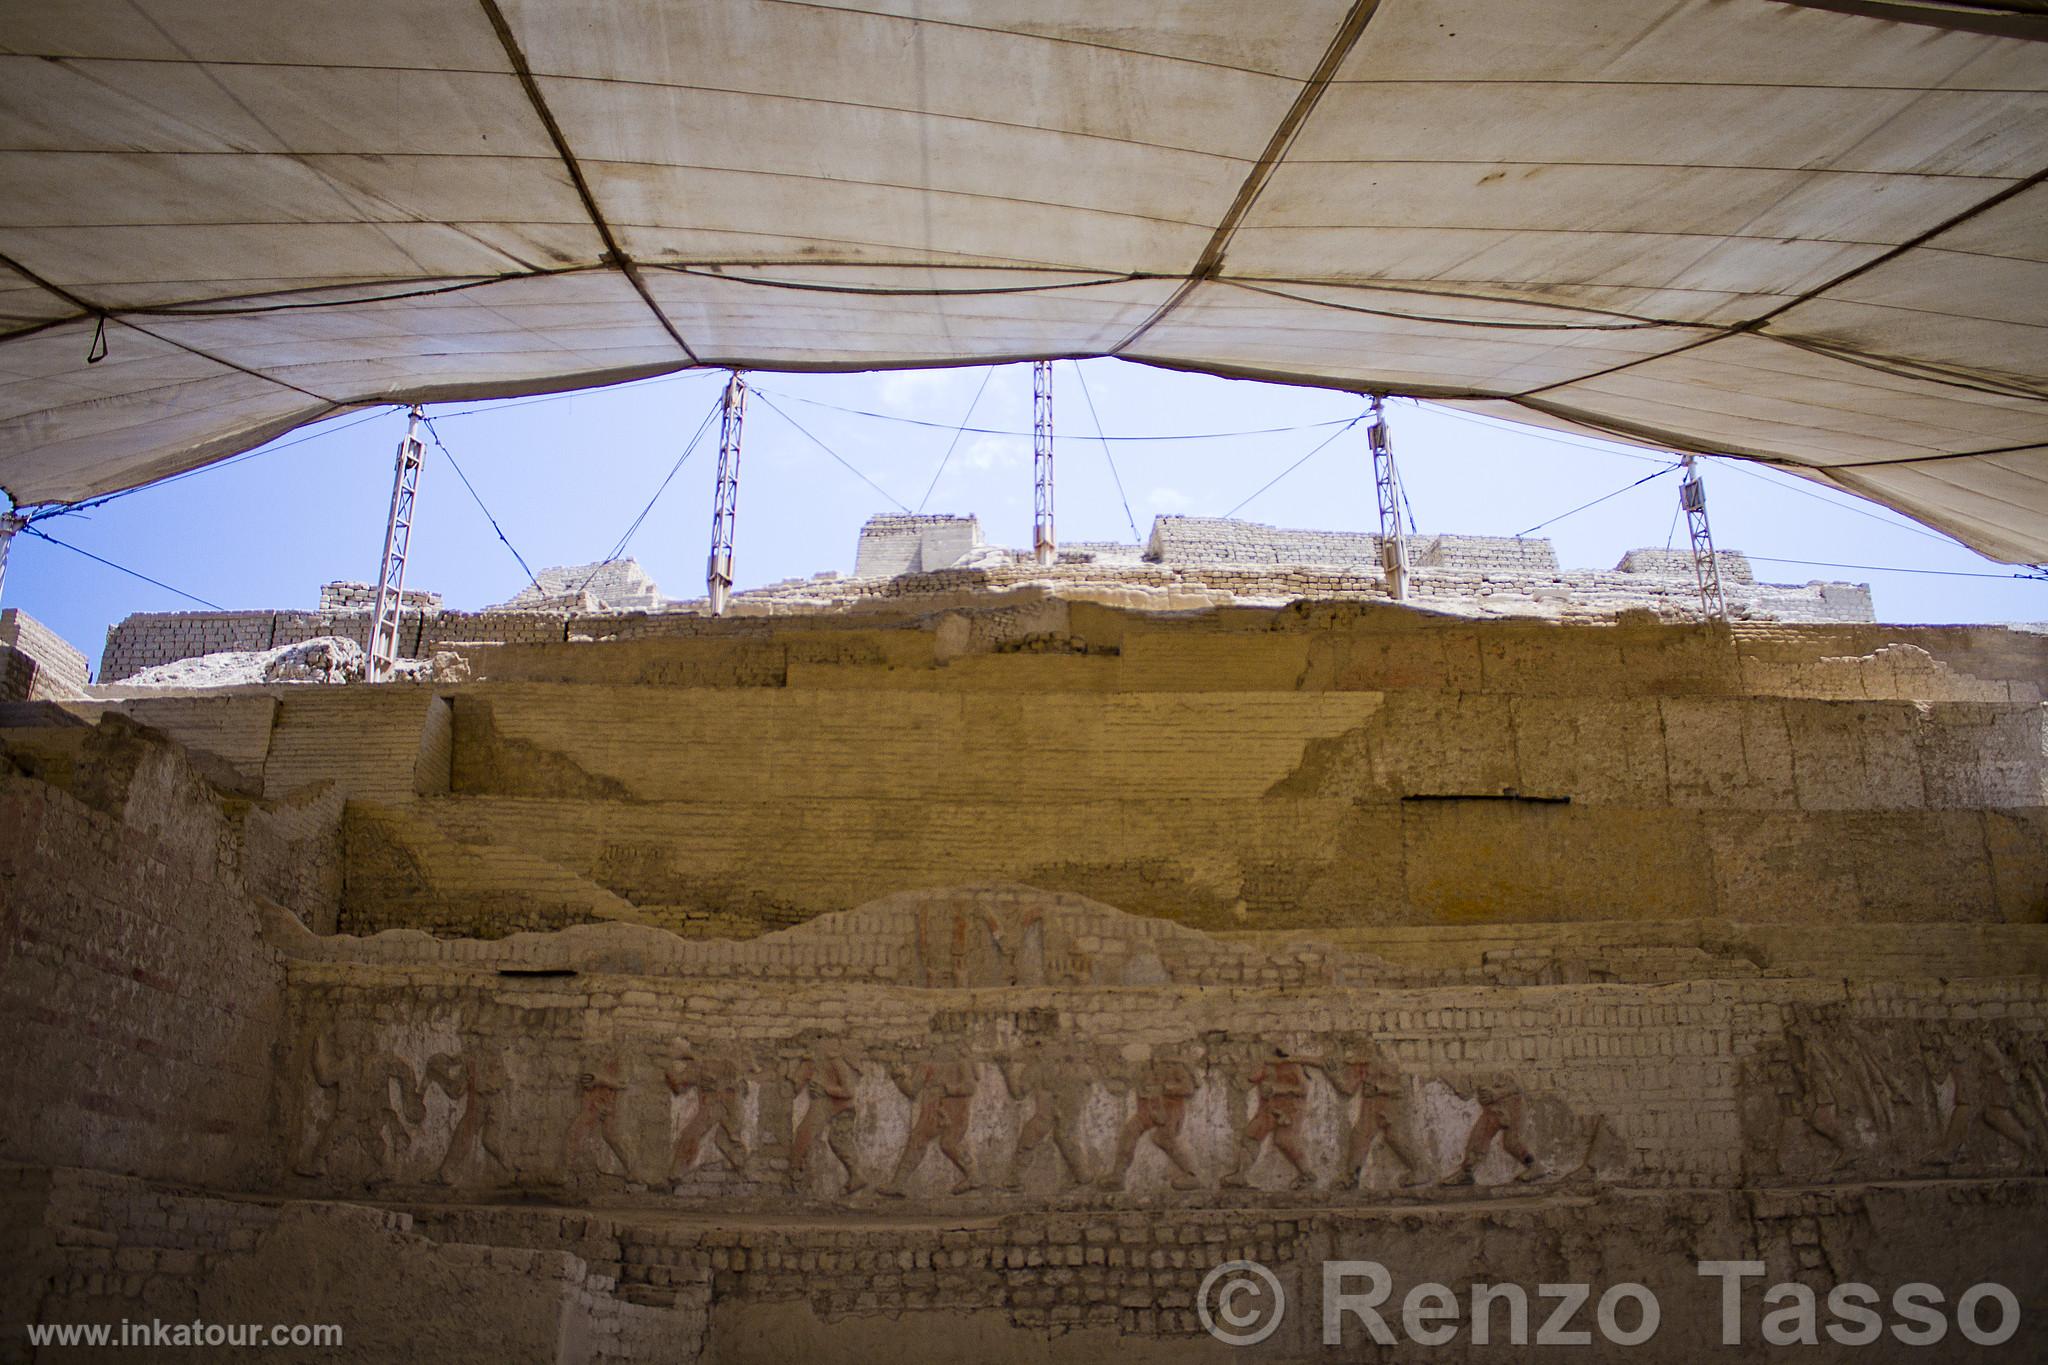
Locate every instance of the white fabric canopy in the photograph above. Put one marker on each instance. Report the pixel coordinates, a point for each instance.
(1812, 233)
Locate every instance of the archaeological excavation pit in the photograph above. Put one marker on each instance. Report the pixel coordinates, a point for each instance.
(1167, 937)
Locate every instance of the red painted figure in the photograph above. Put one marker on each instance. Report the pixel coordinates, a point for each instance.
(1500, 1116)
(831, 1082)
(1281, 1084)
(1164, 1088)
(941, 1090)
(598, 1113)
(1363, 1072)
(718, 1085)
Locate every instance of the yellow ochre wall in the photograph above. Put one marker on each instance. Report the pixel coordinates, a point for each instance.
(1242, 769)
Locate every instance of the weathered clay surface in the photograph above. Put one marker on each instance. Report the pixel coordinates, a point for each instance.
(1021, 987)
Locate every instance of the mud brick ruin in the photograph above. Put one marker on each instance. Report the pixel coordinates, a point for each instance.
(965, 975)
(904, 560)
(979, 955)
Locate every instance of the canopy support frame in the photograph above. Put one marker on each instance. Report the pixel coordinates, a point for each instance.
(725, 497)
(1044, 541)
(1386, 480)
(385, 622)
(1706, 569)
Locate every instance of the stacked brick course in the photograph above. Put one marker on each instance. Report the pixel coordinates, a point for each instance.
(37, 664)
(1733, 565)
(618, 585)
(97, 1248)
(1211, 561)
(139, 1009)
(1624, 946)
(341, 598)
(1188, 562)
(891, 544)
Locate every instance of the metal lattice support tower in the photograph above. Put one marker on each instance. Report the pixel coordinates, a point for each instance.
(1387, 479)
(725, 499)
(405, 487)
(10, 522)
(1692, 496)
(1044, 543)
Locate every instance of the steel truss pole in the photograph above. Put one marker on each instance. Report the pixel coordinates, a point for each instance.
(1692, 496)
(1387, 481)
(1044, 543)
(405, 487)
(10, 522)
(725, 498)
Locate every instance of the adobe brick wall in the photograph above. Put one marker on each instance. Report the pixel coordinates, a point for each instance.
(138, 999)
(1190, 542)
(1306, 767)
(1246, 769)
(621, 585)
(96, 1248)
(1658, 1086)
(344, 597)
(904, 559)
(1070, 1287)
(1733, 565)
(37, 664)
(471, 1140)
(892, 544)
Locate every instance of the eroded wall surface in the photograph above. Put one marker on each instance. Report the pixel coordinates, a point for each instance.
(1022, 1008)
(916, 560)
(1244, 770)
(138, 1000)
(1027, 1126)
(37, 664)
(970, 986)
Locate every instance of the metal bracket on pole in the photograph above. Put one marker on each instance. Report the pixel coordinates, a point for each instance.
(10, 522)
(1692, 496)
(725, 499)
(405, 486)
(1387, 480)
(1044, 543)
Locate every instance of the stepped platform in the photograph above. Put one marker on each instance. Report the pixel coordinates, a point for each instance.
(972, 984)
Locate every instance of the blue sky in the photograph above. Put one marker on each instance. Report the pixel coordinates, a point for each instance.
(567, 474)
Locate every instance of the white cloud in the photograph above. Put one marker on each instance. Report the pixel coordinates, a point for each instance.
(916, 393)
(993, 452)
(1169, 500)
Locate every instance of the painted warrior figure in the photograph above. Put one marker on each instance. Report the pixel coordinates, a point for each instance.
(360, 1076)
(1983, 1077)
(1818, 1083)
(598, 1112)
(1281, 1084)
(941, 1091)
(1164, 1088)
(1057, 1089)
(474, 1078)
(1363, 1072)
(831, 1083)
(1500, 1116)
(718, 1084)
